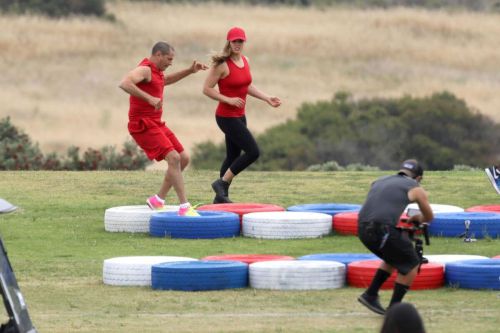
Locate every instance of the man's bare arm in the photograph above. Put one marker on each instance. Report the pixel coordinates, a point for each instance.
(135, 76)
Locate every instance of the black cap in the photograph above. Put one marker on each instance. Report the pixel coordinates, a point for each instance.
(414, 168)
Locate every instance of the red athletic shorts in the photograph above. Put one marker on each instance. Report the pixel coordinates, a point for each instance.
(156, 139)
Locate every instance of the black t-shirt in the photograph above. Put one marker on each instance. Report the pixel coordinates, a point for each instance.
(387, 199)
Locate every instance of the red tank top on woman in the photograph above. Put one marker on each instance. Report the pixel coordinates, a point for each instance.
(139, 108)
(234, 85)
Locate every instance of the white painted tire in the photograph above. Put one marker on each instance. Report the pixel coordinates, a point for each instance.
(412, 209)
(130, 218)
(286, 225)
(133, 271)
(446, 258)
(297, 275)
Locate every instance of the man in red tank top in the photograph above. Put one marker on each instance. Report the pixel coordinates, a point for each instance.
(145, 85)
(231, 72)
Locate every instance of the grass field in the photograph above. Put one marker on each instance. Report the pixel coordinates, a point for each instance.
(57, 243)
(60, 77)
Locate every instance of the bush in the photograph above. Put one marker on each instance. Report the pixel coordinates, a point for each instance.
(461, 167)
(440, 131)
(473, 5)
(327, 166)
(17, 152)
(54, 8)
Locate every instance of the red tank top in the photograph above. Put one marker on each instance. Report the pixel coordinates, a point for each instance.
(234, 85)
(139, 108)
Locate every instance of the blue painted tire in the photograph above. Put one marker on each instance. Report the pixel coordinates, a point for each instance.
(325, 208)
(199, 275)
(452, 224)
(345, 258)
(474, 274)
(208, 225)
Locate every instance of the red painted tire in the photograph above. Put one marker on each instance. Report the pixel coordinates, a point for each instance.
(361, 273)
(242, 208)
(484, 208)
(496, 257)
(248, 258)
(345, 223)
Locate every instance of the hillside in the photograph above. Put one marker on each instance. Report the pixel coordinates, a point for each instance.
(59, 77)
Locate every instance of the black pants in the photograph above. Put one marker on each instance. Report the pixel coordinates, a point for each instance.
(238, 138)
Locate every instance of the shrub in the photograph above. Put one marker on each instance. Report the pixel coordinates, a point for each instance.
(462, 167)
(327, 166)
(440, 131)
(55, 8)
(17, 152)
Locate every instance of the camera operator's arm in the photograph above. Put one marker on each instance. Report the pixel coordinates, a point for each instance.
(418, 195)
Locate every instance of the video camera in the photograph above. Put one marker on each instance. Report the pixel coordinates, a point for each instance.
(413, 229)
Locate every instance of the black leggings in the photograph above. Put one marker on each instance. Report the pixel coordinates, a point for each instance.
(238, 138)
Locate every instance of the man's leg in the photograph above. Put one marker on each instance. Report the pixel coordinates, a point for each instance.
(402, 285)
(383, 273)
(370, 297)
(173, 177)
(166, 184)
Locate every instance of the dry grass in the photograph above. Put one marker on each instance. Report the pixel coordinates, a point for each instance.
(59, 77)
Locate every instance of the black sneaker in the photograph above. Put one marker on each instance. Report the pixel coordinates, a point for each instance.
(218, 200)
(371, 303)
(221, 189)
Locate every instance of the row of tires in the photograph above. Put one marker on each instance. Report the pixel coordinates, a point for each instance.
(312, 272)
(219, 224)
(302, 221)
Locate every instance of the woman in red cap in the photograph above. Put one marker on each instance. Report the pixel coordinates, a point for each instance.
(231, 72)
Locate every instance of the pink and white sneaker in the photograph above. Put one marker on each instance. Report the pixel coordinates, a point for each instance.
(155, 203)
(188, 210)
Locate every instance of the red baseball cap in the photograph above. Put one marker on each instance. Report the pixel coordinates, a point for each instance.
(236, 33)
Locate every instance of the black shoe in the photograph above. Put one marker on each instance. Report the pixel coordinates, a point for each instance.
(221, 189)
(371, 303)
(218, 200)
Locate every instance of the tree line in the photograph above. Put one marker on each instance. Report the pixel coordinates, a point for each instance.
(62, 8)
(441, 131)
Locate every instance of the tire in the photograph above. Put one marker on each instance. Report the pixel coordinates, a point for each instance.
(325, 208)
(286, 225)
(412, 209)
(130, 218)
(474, 274)
(361, 273)
(297, 275)
(448, 258)
(242, 208)
(484, 208)
(208, 225)
(346, 223)
(482, 224)
(133, 271)
(199, 275)
(345, 258)
(249, 258)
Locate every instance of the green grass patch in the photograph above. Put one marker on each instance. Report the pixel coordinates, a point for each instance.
(56, 243)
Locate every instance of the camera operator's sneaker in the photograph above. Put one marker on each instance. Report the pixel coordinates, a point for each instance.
(371, 303)
(155, 203)
(187, 211)
(494, 177)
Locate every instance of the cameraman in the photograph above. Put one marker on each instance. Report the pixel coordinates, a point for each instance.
(381, 212)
